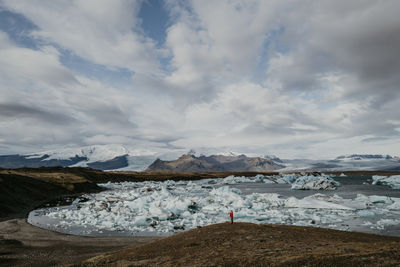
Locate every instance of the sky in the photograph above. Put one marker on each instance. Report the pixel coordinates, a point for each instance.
(297, 79)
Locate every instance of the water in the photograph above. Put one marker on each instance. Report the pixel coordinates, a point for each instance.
(163, 208)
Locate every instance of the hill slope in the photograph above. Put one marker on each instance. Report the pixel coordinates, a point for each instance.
(245, 244)
(23, 190)
(191, 163)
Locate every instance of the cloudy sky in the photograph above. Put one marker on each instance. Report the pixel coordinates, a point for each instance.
(311, 79)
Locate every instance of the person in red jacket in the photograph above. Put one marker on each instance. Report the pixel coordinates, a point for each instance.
(231, 215)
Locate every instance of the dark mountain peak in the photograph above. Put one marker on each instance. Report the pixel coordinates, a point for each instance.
(273, 158)
(191, 152)
(191, 163)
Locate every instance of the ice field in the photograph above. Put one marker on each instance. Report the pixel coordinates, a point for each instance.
(166, 207)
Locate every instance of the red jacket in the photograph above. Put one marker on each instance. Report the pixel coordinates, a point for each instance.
(231, 214)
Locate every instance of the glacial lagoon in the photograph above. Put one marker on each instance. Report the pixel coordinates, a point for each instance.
(357, 203)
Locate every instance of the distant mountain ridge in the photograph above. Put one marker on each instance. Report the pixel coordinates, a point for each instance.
(21, 161)
(101, 157)
(191, 163)
(119, 157)
(365, 156)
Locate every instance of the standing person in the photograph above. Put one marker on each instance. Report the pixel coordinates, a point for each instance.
(231, 215)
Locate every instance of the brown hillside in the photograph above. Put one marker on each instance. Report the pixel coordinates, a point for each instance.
(215, 163)
(245, 244)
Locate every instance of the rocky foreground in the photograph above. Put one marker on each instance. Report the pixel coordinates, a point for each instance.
(245, 244)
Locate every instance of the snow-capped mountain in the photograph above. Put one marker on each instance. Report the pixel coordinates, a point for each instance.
(103, 157)
(91, 153)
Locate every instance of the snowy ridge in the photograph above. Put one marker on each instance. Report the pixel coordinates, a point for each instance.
(365, 157)
(92, 153)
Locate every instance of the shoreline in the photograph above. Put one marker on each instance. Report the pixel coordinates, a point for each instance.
(22, 244)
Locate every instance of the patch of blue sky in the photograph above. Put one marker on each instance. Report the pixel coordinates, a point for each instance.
(155, 22)
(319, 97)
(18, 29)
(271, 45)
(112, 77)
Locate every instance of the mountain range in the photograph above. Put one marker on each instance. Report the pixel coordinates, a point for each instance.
(101, 157)
(118, 157)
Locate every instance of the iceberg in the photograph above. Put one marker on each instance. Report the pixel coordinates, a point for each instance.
(392, 181)
(312, 182)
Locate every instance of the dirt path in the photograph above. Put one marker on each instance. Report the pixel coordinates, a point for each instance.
(22, 244)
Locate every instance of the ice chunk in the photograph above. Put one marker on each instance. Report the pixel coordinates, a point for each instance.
(311, 182)
(287, 178)
(392, 181)
(388, 222)
(366, 213)
(380, 199)
(313, 202)
(395, 205)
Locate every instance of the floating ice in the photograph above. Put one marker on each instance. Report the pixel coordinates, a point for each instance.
(299, 182)
(323, 182)
(167, 207)
(392, 181)
(366, 213)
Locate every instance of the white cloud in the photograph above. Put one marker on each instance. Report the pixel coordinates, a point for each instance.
(218, 41)
(103, 32)
(25, 65)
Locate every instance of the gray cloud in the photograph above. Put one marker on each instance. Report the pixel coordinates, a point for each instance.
(111, 116)
(374, 139)
(14, 110)
(356, 39)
